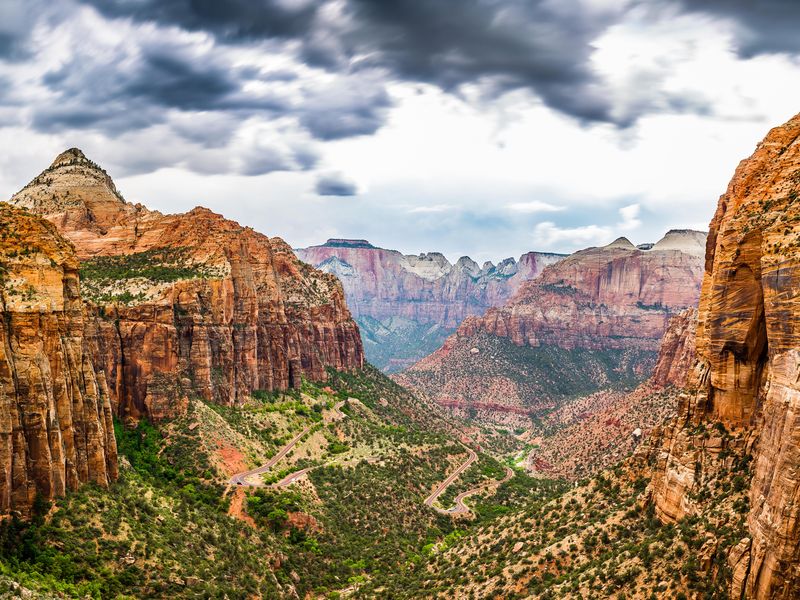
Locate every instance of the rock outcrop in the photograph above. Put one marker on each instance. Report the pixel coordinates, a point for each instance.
(56, 428)
(616, 296)
(406, 306)
(594, 319)
(676, 357)
(747, 382)
(190, 303)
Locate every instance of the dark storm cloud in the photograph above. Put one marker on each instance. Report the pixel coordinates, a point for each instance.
(231, 20)
(335, 184)
(539, 45)
(120, 93)
(764, 26)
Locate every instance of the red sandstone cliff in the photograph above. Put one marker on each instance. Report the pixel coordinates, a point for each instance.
(56, 428)
(676, 356)
(190, 303)
(616, 296)
(748, 377)
(591, 320)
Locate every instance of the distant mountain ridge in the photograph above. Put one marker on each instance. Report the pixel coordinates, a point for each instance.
(406, 305)
(594, 319)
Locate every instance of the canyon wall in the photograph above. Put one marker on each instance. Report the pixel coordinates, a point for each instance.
(676, 357)
(747, 382)
(593, 320)
(407, 305)
(190, 303)
(616, 296)
(56, 428)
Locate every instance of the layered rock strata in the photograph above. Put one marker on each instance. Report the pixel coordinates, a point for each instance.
(616, 296)
(56, 429)
(190, 303)
(676, 358)
(747, 382)
(407, 305)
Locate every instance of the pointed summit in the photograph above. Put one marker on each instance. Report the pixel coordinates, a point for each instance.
(686, 240)
(71, 157)
(76, 194)
(621, 242)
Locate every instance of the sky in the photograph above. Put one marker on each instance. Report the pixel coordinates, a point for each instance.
(485, 128)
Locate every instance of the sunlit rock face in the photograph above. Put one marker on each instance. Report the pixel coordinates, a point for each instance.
(676, 357)
(748, 373)
(190, 303)
(593, 319)
(407, 305)
(615, 296)
(56, 429)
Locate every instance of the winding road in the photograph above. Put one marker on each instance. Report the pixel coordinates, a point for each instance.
(450, 479)
(462, 509)
(459, 508)
(245, 478)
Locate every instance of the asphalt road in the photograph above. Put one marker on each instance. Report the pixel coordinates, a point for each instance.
(245, 477)
(451, 478)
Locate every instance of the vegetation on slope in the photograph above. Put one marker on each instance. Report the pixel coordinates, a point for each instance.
(163, 530)
(599, 540)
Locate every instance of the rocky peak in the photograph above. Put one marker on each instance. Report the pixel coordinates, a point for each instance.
(621, 242)
(507, 267)
(686, 240)
(70, 157)
(76, 194)
(468, 266)
(429, 265)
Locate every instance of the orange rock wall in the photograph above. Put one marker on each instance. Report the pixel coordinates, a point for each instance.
(748, 378)
(259, 319)
(56, 428)
(611, 297)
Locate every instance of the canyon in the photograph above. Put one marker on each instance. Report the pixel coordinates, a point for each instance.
(189, 303)
(407, 305)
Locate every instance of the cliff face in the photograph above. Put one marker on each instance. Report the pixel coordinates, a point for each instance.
(592, 320)
(426, 288)
(406, 306)
(190, 303)
(56, 428)
(677, 355)
(616, 296)
(747, 380)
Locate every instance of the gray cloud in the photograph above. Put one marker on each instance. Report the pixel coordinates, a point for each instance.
(233, 20)
(763, 26)
(201, 87)
(335, 184)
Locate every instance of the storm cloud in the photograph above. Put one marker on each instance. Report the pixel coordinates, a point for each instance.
(188, 74)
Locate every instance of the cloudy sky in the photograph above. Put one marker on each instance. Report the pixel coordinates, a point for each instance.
(480, 127)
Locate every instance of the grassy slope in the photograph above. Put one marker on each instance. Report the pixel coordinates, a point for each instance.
(163, 530)
(599, 540)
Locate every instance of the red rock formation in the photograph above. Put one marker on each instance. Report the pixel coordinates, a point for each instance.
(616, 296)
(748, 379)
(56, 428)
(230, 311)
(676, 357)
(590, 320)
(383, 283)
